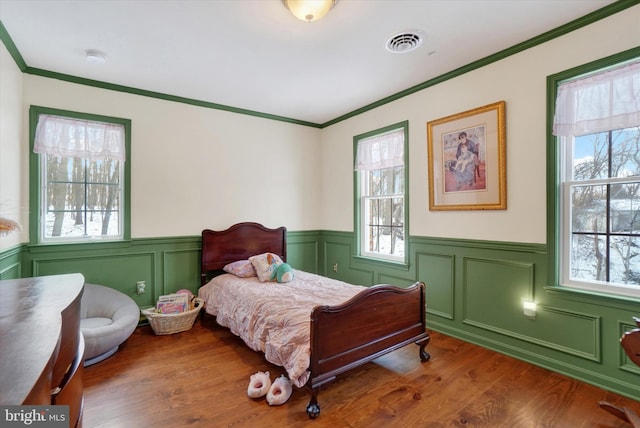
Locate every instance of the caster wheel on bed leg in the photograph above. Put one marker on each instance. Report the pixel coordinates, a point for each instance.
(313, 410)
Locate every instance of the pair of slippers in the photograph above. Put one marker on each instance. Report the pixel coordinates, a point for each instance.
(277, 392)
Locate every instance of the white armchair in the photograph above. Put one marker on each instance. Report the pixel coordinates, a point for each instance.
(108, 317)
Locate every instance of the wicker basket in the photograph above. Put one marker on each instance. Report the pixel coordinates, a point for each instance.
(173, 323)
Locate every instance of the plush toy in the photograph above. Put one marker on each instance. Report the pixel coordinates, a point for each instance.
(259, 385)
(185, 291)
(280, 391)
(282, 273)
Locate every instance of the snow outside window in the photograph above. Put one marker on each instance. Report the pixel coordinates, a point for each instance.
(81, 166)
(381, 207)
(600, 181)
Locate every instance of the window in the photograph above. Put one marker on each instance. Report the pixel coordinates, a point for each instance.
(79, 177)
(597, 125)
(380, 183)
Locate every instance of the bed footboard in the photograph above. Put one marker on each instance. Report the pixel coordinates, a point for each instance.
(375, 322)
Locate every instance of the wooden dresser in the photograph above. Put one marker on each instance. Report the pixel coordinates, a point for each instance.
(41, 345)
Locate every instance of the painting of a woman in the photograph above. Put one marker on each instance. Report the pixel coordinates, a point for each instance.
(463, 155)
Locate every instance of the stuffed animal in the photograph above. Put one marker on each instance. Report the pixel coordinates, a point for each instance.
(282, 273)
(259, 385)
(280, 391)
(185, 291)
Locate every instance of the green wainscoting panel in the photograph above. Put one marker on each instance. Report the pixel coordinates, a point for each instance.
(181, 270)
(13, 271)
(338, 258)
(303, 250)
(337, 255)
(567, 331)
(493, 291)
(398, 281)
(163, 263)
(437, 272)
(356, 276)
(341, 262)
(11, 263)
(117, 271)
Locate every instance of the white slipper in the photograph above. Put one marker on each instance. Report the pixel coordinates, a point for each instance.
(259, 385)
(280, 391)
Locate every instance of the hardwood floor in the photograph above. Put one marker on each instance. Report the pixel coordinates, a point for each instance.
(200, 378)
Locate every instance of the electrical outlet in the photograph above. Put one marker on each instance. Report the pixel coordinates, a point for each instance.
(335, 267)
(140, 287)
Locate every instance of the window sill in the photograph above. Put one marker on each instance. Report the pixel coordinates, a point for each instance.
(588, 296)
(379, 261)
(71, 246)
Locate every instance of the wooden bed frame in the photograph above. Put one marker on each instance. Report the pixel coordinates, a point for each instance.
(375, 322)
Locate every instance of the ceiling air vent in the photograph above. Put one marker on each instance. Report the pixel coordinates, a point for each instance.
(405, 41)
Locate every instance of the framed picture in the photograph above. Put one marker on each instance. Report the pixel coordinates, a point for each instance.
(467, 160)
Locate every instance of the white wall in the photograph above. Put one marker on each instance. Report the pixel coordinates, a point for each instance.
(520, 80)
(194, 167)
(13, 199)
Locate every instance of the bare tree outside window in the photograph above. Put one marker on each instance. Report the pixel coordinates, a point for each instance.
(82, 166)
(381, 175)
(604, 191)
(83, 197)
(385, 207)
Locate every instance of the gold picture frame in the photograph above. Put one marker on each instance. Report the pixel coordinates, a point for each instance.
(466, 159)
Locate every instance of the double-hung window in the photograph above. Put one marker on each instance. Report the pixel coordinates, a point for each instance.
(380, 184)
(597, 129)
(80, 177)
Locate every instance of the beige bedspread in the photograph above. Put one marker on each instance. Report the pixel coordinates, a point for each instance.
(272, 317)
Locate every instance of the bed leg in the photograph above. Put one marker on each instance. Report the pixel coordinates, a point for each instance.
(424, 355)
(313, 408)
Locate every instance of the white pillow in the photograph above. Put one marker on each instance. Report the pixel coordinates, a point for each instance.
(264, 265)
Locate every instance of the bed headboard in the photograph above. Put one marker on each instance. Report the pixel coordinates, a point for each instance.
(239, 242)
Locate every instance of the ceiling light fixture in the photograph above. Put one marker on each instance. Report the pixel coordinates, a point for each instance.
(95, 56)
(309, 10)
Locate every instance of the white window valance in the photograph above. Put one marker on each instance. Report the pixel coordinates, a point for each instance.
(381, 151)
(602, 102)
(63, 137)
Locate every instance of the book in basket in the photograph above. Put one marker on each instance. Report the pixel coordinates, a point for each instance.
(173, 304)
